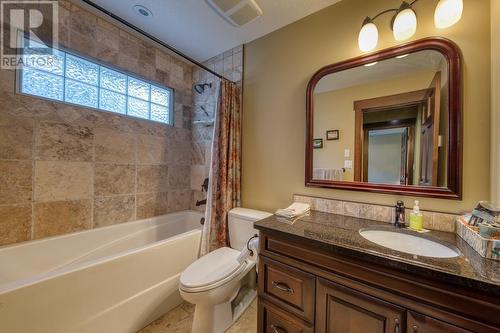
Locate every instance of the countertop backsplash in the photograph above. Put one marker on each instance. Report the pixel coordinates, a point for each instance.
(432, 220)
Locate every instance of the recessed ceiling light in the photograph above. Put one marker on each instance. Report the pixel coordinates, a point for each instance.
(142, 11)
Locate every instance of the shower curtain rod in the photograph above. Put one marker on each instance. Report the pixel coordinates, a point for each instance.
(153, 38)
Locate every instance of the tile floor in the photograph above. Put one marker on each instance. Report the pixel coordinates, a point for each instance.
(179, 321)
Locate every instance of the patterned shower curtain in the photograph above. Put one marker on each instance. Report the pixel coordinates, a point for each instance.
(225, 168)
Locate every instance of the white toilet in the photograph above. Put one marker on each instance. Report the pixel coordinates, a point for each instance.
(218, 284)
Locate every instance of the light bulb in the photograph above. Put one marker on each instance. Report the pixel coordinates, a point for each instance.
(368, 37)
(448, 12)
(405, 24)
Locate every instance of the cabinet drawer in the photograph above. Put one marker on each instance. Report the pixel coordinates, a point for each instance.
(292, 288)
(274, 320)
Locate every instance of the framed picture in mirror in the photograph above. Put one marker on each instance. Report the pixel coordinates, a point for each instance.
(318, 143)
(333, 135)
(400, 113)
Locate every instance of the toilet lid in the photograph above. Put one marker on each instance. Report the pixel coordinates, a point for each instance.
(211, 270)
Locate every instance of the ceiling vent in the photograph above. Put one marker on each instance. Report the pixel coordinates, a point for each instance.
(236, 12)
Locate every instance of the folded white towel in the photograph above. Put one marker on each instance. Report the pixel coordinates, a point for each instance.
(328, 174)
(294, 210)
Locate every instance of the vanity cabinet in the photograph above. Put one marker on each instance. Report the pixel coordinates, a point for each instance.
(303, 288)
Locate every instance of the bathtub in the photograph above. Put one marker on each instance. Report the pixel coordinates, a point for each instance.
(112, 279)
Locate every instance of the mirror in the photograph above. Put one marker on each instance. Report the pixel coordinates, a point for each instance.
(389, 121)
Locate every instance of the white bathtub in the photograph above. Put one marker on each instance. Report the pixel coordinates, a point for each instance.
(112, 279)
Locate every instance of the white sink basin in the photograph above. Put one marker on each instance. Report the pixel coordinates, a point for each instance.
(409, 243)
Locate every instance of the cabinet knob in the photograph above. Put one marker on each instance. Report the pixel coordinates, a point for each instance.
(277, 329)
(282, 286)
(415, 329)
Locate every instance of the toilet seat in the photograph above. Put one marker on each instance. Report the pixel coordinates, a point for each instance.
(212, 270)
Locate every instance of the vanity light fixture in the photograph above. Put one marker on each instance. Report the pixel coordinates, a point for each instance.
(404, 22)
(448, 12)
(368, 36)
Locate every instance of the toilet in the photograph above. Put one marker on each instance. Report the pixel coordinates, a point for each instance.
(219, 286)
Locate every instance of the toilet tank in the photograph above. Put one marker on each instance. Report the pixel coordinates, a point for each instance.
(240, 224)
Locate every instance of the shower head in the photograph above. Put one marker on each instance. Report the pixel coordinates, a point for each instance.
(200, 87)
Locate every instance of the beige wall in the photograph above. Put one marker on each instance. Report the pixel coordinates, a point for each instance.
(65, 168)
(330, 116)
(279, 65)
(495, 110)
(334, 110)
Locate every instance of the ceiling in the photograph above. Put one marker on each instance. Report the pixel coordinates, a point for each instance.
(194, 28)
(383, 70)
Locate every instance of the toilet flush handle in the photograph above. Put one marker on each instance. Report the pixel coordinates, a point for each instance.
(248, 243)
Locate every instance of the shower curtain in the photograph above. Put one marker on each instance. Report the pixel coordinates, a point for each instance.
(225, 168)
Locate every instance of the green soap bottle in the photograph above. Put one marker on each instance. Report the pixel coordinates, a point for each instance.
(416, 218)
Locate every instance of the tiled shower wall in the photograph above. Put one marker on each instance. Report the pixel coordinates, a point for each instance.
(229, 64)
(66, 168)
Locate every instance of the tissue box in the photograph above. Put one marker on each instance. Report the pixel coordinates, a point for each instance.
(487, 248)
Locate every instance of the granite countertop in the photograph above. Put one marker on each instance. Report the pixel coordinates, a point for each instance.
(340, 234)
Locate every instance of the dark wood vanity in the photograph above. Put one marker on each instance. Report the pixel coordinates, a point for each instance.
(314, 277)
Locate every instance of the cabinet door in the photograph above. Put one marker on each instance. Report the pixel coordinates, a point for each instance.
(419, 323)
(343, 310)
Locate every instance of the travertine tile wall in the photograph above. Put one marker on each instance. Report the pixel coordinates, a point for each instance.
(65, 168)
(432, 220)
(230, 64)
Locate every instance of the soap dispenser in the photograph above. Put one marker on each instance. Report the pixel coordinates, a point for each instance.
(416, 218)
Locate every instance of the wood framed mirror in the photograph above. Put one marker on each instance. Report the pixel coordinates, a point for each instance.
(389, 122)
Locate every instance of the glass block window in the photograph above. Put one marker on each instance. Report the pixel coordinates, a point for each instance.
(69, 78)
